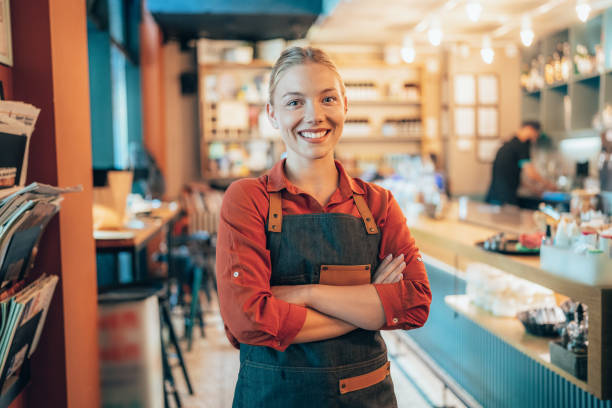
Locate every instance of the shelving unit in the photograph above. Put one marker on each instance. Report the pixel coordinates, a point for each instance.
(566, 108)
(232, 100)
(385, 113)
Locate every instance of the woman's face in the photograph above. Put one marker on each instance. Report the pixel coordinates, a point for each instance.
(309, 110)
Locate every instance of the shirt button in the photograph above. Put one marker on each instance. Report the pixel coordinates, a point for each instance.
(395, 320)
(236, 274)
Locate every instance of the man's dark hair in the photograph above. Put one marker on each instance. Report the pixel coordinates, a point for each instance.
(531, 123)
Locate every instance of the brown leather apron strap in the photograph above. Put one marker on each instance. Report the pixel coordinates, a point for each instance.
(366, 380)
(275, 215)
(366, 214)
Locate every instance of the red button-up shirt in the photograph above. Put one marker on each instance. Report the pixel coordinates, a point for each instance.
(250, 312)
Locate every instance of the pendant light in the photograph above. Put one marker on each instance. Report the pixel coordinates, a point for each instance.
(408, 53)
(435, 33)
(486, 52)
(526, 32)
(473, 9)
(583, 9)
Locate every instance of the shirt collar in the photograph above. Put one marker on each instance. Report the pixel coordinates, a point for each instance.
(277, 180)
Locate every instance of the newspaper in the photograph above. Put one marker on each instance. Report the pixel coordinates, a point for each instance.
(17, 121)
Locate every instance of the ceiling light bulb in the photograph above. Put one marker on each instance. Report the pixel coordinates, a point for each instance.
(435, 34)
(527, 37)
(408, 53)
(583, 10)
(486, 51)
(473, 9)
(527, 34)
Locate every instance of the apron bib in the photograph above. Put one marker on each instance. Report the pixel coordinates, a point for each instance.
(346, 371)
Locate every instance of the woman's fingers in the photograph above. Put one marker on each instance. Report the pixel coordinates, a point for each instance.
(386, 269)
(396, 274)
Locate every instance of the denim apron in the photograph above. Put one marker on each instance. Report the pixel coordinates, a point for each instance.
(347, 371)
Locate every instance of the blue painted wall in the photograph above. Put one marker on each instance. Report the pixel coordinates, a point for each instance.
(100, 97)
(493, 372)
(115, 85)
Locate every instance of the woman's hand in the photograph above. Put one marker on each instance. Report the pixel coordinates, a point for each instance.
(296, 294)
(390, 269)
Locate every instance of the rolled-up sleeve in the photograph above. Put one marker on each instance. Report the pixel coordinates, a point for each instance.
(250, 313)
(406, 303)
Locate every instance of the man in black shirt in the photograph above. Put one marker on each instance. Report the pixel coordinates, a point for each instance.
(512, 158)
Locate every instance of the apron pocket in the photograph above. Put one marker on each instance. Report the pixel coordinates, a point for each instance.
(360, 382)
(345, 275)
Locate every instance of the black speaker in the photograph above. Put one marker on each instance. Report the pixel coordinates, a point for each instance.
(189, 83)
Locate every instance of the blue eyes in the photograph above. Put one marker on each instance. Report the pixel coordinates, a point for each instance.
(296, 102)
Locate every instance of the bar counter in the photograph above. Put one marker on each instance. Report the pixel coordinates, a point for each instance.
(513, 362)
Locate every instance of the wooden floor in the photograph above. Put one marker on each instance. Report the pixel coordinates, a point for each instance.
(213, 367)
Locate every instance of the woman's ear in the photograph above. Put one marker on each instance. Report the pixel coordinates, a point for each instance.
(345, 104)
(271, 115)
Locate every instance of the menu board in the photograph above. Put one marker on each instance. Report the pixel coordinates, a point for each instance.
(488, 122)
(487, 149)
(465, 122)
(487, 89)
(465, 89)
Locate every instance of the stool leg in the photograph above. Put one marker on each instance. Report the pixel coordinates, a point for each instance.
(174, 340)
(201, 318)
(167, 370)
(193, 307)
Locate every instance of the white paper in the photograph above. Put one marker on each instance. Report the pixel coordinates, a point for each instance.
(465, 89)
(465, 123)
(487, 149)
(487, 122)
(487, 89)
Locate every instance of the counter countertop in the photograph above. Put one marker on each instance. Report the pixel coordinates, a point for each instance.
(455, 236)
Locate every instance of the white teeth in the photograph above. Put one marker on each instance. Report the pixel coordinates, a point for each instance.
(313, 135)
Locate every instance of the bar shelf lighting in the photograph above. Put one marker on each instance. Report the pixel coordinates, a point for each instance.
(527, 34)
(583, 10)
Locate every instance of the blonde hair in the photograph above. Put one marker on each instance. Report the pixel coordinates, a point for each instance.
(297, 56)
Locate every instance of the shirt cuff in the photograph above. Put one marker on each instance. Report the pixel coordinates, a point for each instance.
(294, 321)
(391, 302)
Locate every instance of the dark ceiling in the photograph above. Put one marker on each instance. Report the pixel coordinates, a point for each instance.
(249, 27)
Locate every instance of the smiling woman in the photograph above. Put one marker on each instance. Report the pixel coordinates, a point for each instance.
(312, 263)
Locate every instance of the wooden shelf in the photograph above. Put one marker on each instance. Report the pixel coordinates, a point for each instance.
(511, 331)
(384, 102)
(380, 139)
(240, 140)
(255, 64)
(586, 77)
(556, 85)
(535, 92)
